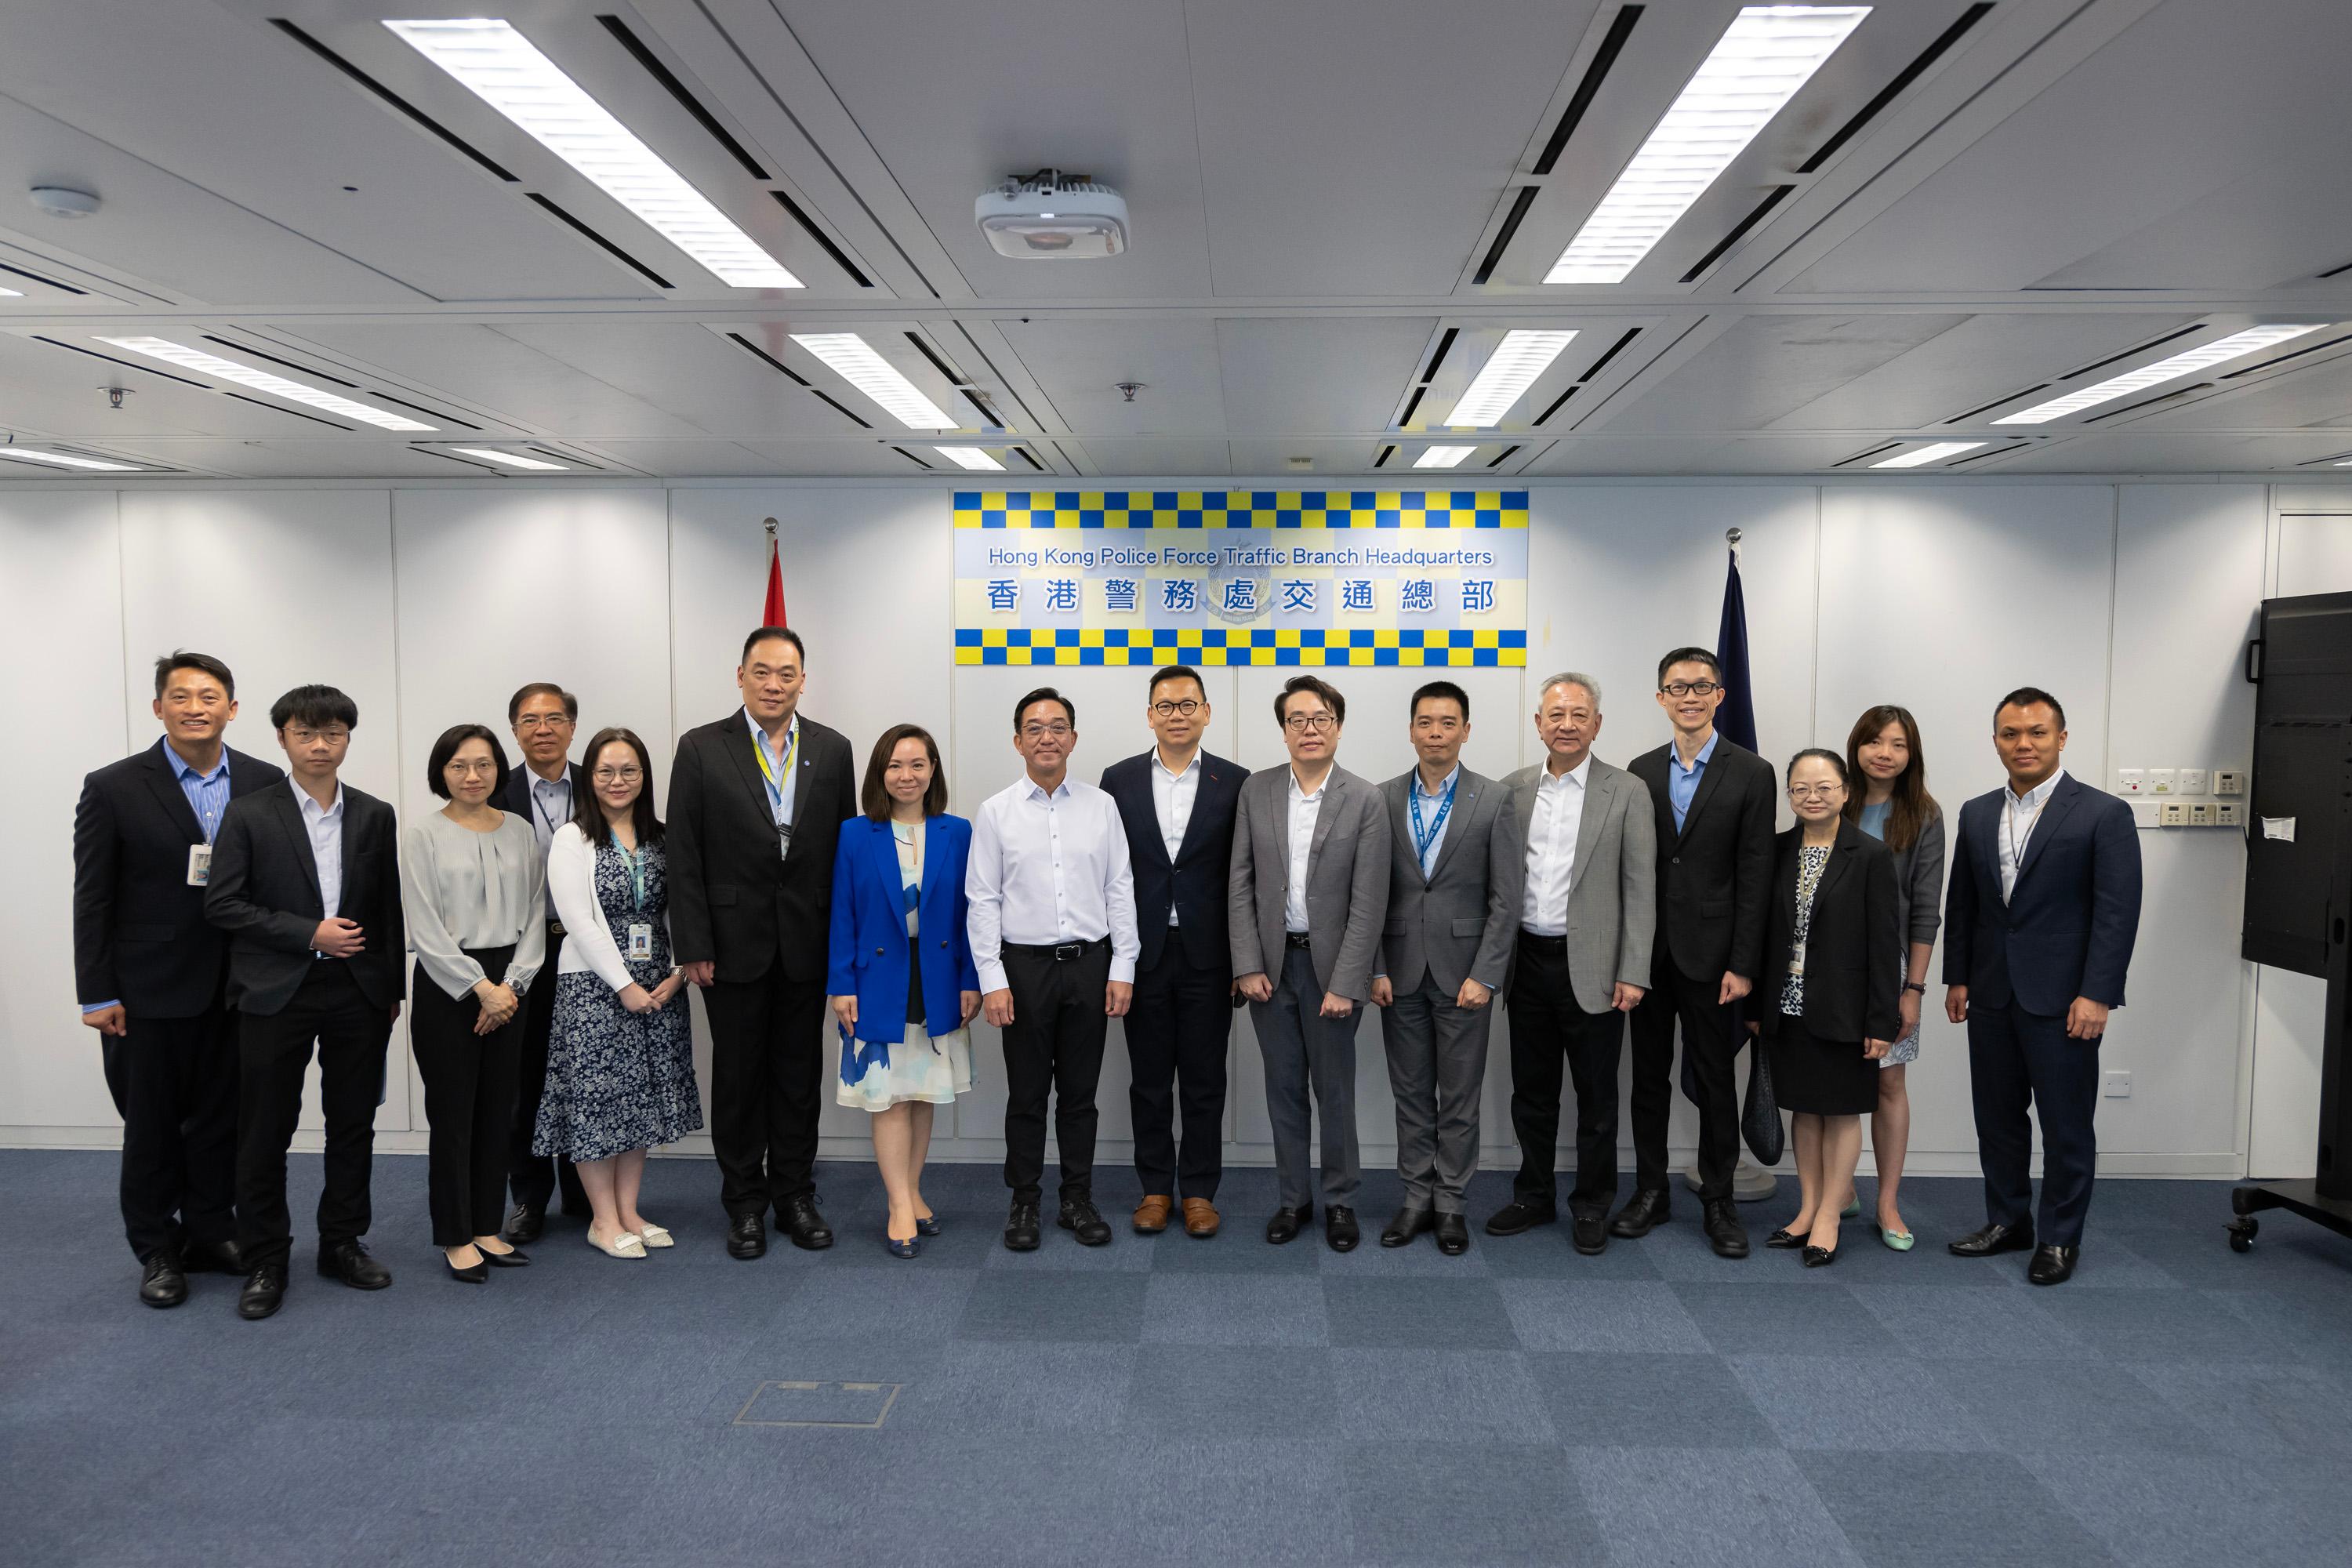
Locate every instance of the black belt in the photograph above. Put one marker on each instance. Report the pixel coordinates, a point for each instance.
(555, 928)
(1059, 951)
(1298, 940)
(1538, 939)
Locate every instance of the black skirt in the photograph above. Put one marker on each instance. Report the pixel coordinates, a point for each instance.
(1821, 1078)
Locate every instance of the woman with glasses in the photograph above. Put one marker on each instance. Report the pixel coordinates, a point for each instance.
(620, 1058)
(899, 969)
(1831, 952)
(473, 896)
(1892, 805)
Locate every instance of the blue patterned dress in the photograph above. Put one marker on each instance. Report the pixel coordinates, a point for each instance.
(618, 1081)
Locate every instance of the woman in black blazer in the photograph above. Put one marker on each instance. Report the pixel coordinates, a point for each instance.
(1833, 952)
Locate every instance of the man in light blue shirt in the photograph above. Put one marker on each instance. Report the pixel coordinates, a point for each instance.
(1682, 782)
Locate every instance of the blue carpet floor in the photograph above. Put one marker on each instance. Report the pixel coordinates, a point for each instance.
(1171, 1400)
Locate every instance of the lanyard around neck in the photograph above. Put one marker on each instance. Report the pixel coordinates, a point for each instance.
(1424, 837)
(768, 769)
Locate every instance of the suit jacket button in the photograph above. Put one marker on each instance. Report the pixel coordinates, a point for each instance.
(1677, 860)
(877, 950)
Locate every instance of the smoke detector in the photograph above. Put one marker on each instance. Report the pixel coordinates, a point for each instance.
(60, 201)
(1049, 216)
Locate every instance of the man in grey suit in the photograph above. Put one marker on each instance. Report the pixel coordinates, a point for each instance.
(1586, 914)
(1310, 885)
(1453, 907)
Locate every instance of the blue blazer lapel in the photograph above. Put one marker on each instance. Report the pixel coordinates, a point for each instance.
(2062, 801)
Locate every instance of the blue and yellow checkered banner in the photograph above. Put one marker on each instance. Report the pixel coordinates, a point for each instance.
(1228, 577)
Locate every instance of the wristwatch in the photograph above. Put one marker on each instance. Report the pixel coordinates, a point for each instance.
(1915, 985)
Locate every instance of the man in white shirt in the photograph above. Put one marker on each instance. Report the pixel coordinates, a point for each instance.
(1587, 917)
(542, 791)
(1053, 935)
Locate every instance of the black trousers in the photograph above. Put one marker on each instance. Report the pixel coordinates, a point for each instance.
(273, 1053)
(1547, 1026)
(2020, 1063)
(1710, 1046)
(1176, 1033)
(469, 1094)
(1054, 1048)
(767, 1065)
(174, 1084)
(533, 1178)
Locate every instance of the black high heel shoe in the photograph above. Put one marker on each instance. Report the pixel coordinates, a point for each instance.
(513, 1257)
(473, 1275)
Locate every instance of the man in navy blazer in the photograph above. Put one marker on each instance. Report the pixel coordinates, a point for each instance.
(2038, 932)
(1177, 803)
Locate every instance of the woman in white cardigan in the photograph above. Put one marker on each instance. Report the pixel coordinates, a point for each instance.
(620, 1054)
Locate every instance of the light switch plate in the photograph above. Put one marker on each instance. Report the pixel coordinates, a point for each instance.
(2163, 781)
(2176, 813)
(2228, 814)
(2148, 813)
(2229, 781)
(2117, 1083)
(2131, 780)
(2193, 780)
(2200, 813)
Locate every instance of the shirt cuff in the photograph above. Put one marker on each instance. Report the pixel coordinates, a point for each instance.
(1122, 970)
(991, 976)
(89, 1008)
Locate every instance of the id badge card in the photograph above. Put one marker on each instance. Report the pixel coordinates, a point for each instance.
(641, 942)
(200, 865)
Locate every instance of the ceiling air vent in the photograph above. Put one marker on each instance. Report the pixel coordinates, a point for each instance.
(911, 458)
(623, 256)
(852, 418)
(687, 100)
(1611, 44)
(2233, 375)
(1496, 460)
(392, 99)
(1858, 456)
(1023, 454)
(281, 408)
(1772, 198)
(127, 364)
(38, 278)
(274, 359)
(770, 361)
(1893, 90)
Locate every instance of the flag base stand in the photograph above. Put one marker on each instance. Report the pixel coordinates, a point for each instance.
(1749, 1183)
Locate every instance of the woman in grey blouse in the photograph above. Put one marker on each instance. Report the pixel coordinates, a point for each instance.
(473, 889)
(1892, 805)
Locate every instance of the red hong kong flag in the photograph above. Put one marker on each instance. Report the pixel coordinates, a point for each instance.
(772, 614)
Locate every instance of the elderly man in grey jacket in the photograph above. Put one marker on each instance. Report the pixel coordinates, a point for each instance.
(1308, 888)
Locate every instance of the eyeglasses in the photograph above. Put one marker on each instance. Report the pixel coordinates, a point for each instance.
(617, 775)
(1690, 688)
(1299, 723)
(543, 722)
(1170, 709)
(1815, 792)
(485, 767)
(304, 737)
(1044, 732)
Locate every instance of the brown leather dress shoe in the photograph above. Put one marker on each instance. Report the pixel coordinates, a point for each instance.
(1199, 1218)
(1151, 1213)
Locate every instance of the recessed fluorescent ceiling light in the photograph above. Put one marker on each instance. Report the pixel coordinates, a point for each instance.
(13, 293)
(2163, 370)
(66, 460)
(507, 71)
(1441, 457)
(854, 359)
(1934, 454)
(262, 380)
(1505, 378)
(968, 458)
(511, 460)
(1762, 59)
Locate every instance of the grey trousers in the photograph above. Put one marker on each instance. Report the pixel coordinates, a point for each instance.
(1303, 1049)
(1437, 1068)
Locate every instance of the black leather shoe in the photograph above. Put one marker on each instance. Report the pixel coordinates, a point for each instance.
(1021, 1229)
(473, 1276)
(747, 1237)
(1453, 1235)
(1339, 1229)
(162, 1283)
(1082, 1219)
(212, 1257)
(2053, 1264)
(1786, 1240)
(1994, 1238)
(264, 1292)
(1819, 1256)
(805, 1224)
(1719, 1217)
(1286, 1224)
(513, 1257)
(1648, 1208)
(525, 1224)
(1408, 1224)
(349, 1262)
(1516, 1219)
(1590, 1233)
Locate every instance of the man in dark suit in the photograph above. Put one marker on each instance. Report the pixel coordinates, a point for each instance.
(1714, 803)
(756, 804)
(305, 882)
(152, 976)
(1177, 803)
(543, 791)
(2038, 932)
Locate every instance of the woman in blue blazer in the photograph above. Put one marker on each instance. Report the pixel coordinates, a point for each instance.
(899, 971)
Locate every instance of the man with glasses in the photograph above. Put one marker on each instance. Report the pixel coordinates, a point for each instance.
(1177, 803)
(756, 804)
(1713, 811)
(1053, 934)
(543, 791)
(1308, 892)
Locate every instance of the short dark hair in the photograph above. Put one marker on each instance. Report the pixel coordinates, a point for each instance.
(1435, 690)
(1168, 672)
(1836, 762)
(1044, 694)
(1320, 687)
(778, 634)
(314, 706)
(588, 812)
(181, 659)
(541, 688)
(454, 736)
(2026, 697)
(1691, 656)
(874, 800)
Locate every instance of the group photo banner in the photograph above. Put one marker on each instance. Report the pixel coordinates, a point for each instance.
(1229, 577)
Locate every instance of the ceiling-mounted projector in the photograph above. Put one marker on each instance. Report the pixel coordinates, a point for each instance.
(1049, 216)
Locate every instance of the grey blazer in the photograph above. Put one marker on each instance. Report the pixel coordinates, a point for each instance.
(1612, 894)
(1347, 879)
(1919, 886)
(1462, 920)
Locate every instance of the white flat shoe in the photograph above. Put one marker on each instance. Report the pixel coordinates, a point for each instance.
(625, 1245)
(654, 1235)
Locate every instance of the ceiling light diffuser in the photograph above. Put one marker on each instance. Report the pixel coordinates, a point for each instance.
(2163, 370)
(66, 460)
(1754, 68)
(1924, 455)
(506, 71)
(1504, 379)
(1441, 457)
(969, 458)
(263, 381)
(853, 360)
(511, 460)
(12, 293)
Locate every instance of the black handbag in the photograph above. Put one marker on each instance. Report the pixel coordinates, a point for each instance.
(1760, 1119)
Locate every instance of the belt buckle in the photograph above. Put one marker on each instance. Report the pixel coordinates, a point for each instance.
(1069, 952)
